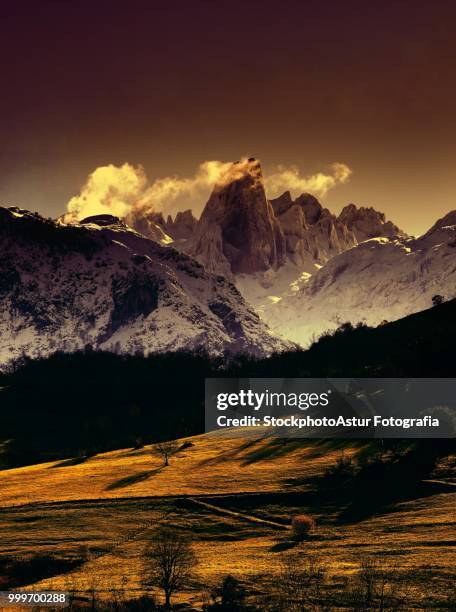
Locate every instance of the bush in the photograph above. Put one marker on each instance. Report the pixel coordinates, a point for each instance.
(338, 474)
(302, 525)
(229, 597)
(437, 300)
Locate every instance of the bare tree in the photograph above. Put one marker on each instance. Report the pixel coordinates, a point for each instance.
(169, 563)
(379, 584)
(166, 449)
(302, 578)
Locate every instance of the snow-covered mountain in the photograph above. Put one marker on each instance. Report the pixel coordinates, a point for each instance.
(270, 244)
(379, 279)
(271, 247)
(100, 283)
(177, 283)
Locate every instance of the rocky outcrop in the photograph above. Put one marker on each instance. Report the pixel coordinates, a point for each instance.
(368, 223)
(182, 226)
(150, 225)
(312, 233)
(102, 221)
(179, 228)
(238, 231)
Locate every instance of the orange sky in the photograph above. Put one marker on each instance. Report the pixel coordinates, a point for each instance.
(170, 85)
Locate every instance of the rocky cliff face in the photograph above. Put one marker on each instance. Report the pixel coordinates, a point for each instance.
(149, 225)
(241, 233)
(366, 223)
(100, 283)
(312, 233)
(238, 232)
(179, 228)
(380, 279)
(182, 226)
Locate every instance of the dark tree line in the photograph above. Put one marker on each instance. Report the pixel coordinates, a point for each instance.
(71, 405)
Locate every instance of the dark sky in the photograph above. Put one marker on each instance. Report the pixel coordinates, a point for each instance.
(171, 84)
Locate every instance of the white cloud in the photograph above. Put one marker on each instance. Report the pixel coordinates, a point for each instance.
(125, 190)
(109, 189)
(290, 178)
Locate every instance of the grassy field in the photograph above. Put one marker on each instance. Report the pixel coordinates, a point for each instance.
(236, 499)
(213, 464)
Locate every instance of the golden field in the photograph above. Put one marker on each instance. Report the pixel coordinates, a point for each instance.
(234, 497)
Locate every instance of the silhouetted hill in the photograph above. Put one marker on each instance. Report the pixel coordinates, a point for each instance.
(419, 345)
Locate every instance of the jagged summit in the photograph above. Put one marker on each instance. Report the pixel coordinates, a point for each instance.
(312, 233)
(282, 203)
(238, 231)
(182, 226)
(368, 223)
(241, 232)
(311, 207)
(179, 228)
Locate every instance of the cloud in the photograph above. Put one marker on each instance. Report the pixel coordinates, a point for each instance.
(290, 179)
(124, 191)
(163, 193)
(109, 189)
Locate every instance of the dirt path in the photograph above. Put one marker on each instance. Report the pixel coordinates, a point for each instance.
(239, 515)
(445, 484)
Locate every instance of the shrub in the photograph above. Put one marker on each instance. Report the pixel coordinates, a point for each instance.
(339, 473)
(228, 597)
(138, 443)
(302, 525)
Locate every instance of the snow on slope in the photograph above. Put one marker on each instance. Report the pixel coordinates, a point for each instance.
(380, 279)
(65, 287)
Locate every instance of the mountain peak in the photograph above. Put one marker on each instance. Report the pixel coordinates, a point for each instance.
(238, 227)
(311, 207)
(282, 203)
(366, 222)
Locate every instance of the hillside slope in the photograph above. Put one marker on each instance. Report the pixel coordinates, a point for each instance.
(380, 279)
(202, 468)
(103, 284)
(235, 500)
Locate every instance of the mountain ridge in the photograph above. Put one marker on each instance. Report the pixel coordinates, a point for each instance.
(103, 284)
(379, 279)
